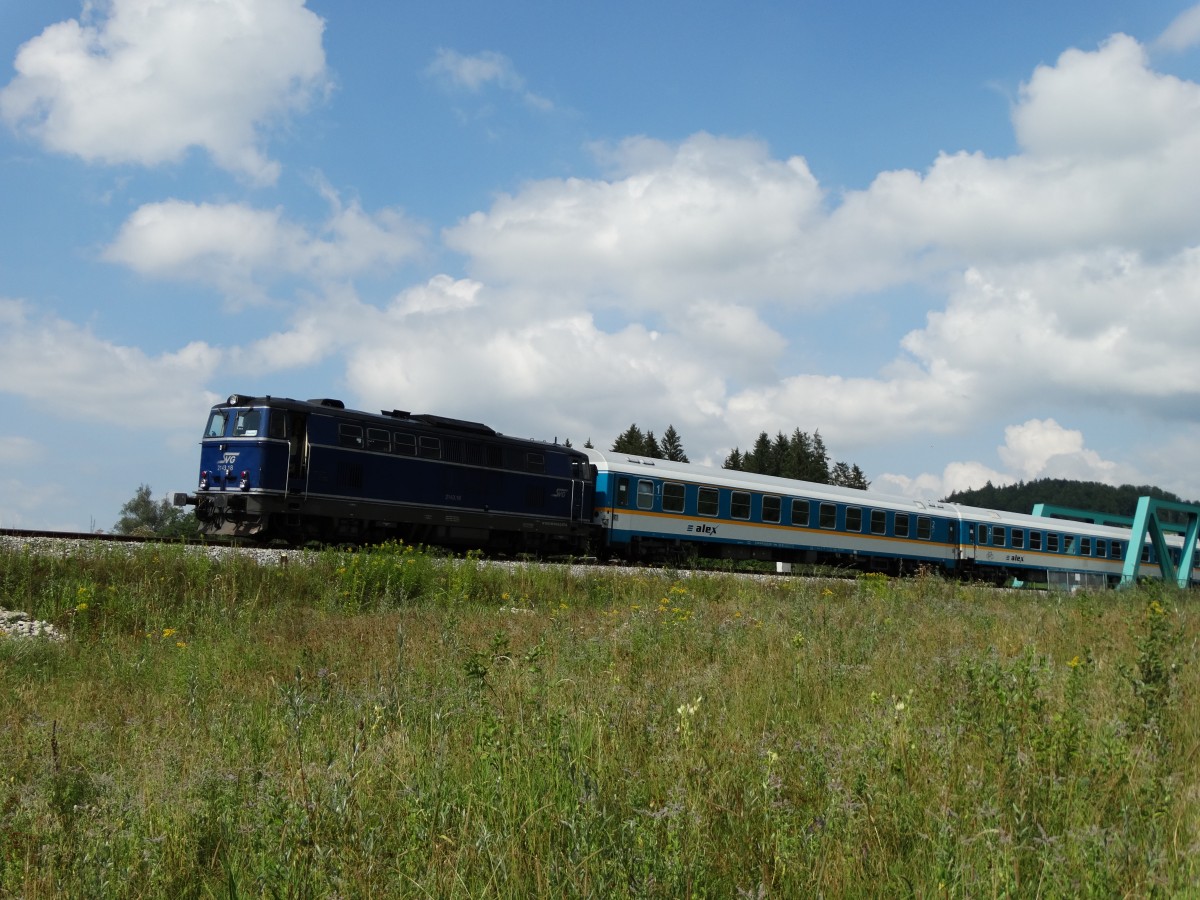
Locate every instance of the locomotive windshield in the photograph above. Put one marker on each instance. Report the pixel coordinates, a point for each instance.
(247, 423)
(216, 423)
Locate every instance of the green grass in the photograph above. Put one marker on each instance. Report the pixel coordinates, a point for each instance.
(390, 724)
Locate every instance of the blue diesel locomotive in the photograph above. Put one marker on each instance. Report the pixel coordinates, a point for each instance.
(297, 471)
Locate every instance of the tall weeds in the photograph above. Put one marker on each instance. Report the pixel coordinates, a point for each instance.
(390, 723)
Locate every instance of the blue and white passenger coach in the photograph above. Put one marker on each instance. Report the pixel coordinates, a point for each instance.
(658, 509)
(272, 467)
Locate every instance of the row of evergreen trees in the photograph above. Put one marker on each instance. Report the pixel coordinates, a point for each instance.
(801, 456)
(638, 443)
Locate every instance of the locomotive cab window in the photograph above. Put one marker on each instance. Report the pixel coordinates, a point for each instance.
(673, 495)
(277, 426)
(645, 497)
(247, 423)
(707, 501)
(739, 505)
(216, 423)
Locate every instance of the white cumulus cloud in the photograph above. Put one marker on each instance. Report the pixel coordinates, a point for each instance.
(143, 81)
(238, 247)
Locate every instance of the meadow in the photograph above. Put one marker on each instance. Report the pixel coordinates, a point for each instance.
(389, 723)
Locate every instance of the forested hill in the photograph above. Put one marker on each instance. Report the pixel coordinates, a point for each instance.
(1088, 495)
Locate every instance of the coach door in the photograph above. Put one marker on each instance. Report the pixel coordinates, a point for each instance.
(966, 544)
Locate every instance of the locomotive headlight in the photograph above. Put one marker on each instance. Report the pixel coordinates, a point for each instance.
(204, 481)
(245, 483)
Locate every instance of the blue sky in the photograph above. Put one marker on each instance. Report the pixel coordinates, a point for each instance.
(961, 240)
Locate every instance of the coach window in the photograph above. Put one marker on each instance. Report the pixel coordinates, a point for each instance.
(1018, 539)
(405, 444)
(378, 439)
(216, 423)
(828, 515)
(1118, 550)
(1085, 546)
(673, 495)
(983, 535)
(878, 521)
(853, 518)
(800, 513)
(350, 435)
(1035, 540)
(1101, 547)
(645, 494)
(771, 509)
(431, 447)
(997, 536)
(707, 501)
(248, 422)
(924, 528)
(622, 492)
(1052, 543)
(902, 525)
(739, 505)
(1069, 544)
(1146, 553)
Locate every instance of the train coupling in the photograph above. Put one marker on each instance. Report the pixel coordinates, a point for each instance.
(180, 498)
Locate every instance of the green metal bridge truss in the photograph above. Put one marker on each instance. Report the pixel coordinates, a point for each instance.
(1145, 522)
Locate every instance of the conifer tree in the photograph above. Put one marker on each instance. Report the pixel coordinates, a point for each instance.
(671, 446)
(758, 459)
(650, 446)
(631, 441)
